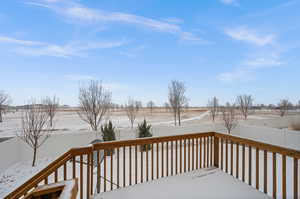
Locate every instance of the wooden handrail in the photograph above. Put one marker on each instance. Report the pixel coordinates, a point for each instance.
(261, 145)
(179, 152)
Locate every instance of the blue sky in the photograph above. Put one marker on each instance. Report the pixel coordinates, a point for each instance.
(217, 47)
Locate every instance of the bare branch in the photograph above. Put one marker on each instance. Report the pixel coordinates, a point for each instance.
(94, 102)
(150, 105)
(35, 127)
(229, 117)
(132, 110)
(213, 106)
(177, 99)
(244, 103)
(283, 106)
(5, 101)
(51, 106)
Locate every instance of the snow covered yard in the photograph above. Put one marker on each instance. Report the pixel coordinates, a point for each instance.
(17, 174)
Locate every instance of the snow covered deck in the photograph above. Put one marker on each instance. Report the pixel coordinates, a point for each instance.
(204, 183)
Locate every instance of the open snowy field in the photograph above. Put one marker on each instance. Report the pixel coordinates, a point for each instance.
(71, 131)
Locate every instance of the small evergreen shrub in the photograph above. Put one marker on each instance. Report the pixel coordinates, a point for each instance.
(144, 130)
(108, 134)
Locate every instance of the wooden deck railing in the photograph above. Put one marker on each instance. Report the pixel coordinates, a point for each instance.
(106, 166)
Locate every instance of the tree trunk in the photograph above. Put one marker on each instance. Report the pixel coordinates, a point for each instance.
(179, 120)
(51, 119)
(34, 157)
(1, 115)
(175, 114)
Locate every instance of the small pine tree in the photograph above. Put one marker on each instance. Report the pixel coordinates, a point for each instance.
(108, 134)
(144, 130)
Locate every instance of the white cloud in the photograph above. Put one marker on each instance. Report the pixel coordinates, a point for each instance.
(173, 20)
(36, 48)
(79, 13)
(4, 39)
(250, 36)
(229, 1)
(263, 63)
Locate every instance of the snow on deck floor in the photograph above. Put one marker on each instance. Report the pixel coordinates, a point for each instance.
(204, 183)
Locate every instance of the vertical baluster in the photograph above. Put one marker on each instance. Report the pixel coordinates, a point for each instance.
(130, 166)
(257, 168)
(157, 165)
(98, 172)
(243, 163)
(124, 166)
(88, 170)
(118, 167)
(74, 167)
(172, 161)
(250, 166)
(55, 176)
(167, 157)
(295, 178)
(92, 174)
(189, 155)
(176, 157)
(200, 152)
(142, 162)
(152, 161)
(136, 163)
(184, 151)
(222, 154)
(274, 176)
(265, 172)
(81, 177)
(162, 159)
(283, 177)
(216, 152)
(231, 158)
(147, 162)
(65, 171)
(207, 151)
(237, 160)
(180, 156)
(204, 153)
(46, 180)
(111, 168)
(197, 153)
(211, 150)
(193, 154)
(104, 169)
(226, 159)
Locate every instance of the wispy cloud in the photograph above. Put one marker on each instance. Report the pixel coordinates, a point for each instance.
(229, 2)
(36, 48)
(250, 36)
(78, 12)
(250, 67)
(173, 20)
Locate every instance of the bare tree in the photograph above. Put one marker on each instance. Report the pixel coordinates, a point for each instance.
(283, 107)
(5, 100)
(131, 110)
(213, 106)
(94, 102)
(150, 105)
(244, 103)
(229, 117)
(177, 99)
(51, 106)
(35, 127)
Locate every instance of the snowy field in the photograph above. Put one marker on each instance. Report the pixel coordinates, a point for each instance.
(71, 131)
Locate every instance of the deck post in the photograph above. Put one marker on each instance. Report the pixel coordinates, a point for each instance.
(216, 151)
